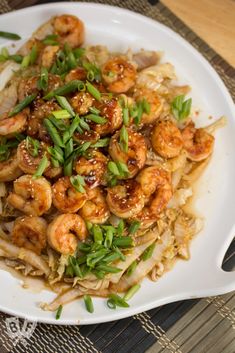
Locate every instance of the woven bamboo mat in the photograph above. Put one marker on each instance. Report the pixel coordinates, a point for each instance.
(195, 326)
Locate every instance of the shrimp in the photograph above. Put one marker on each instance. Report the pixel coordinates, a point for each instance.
(197, 142)
(154, 101)
(166, 139)
(125, 200)
(86, 136)
(30, 233)
(65, 231)
(14, 124)
(137, 151)
(95, 210)
(66, 198)
(49, 55)
(112, 112)
(119, 75)
(93, 169)
(28, 86)
(76, 74)
(9, 169)
(81, 102)
(156, 187)
(31, 196)
(70, 30)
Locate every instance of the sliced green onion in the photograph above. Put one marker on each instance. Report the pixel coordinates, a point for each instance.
(111, 304)
(101, 143)
(78, 52)
(146, 106)
(41, 167)
(131, 268)
(17, 58)
(69, 271)
(123, 242)
(76, 269)
(96, 118)
(58, 312)
(88, 303)
(83, 247)
(61, 114)
(99, 274)
(112, 167)
(84, 125)
(93, 91)
(111, 257)
(33, 55)
(109, 238)
(68, 148)
(9, 35)
(134, 227)
(108, 269)
(68, 166)
(26, 61)
(148, 252)
(69, 133)
(124, 139)
(93, 72)
(118, 301)
(131, 292)
(120, 228)
(69, 87)
(122, 167)
(121, 255)
(63, 102)
(180, 108)
(78, 183)
(125, 116)
(32, 146)
(23, 104)
(5, 53)
(97, 234)
(94, 110)
(43, 80)
(50, 39)
(53, 132)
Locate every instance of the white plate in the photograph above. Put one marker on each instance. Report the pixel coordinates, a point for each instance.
(202, 275)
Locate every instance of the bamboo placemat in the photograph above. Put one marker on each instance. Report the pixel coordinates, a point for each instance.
(192, 326)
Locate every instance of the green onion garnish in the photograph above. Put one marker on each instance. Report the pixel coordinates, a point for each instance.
(97, 234)
(75, 266)
(131, 292)
(120, 228)
(50, 39)
(123, 242)
(93, 91)
(43, 79)
(78, 183)
(101, 143)
(58, 312)
(108, 269)
(69, 87)
(63, 102)
(125, 116)
(131, 268)
(26, 61)
(9, 35)
(94, 110)
(23, 104)
(33, 55)
(109, 237)
(181, 108)
(32, 146)
(134, 227)
(88, 303)
(41, 167)
(96, 118)
(118, 301)
(53, 132)
(68, 148)
(148, 252)
(112, 167)
(61, 114)
(124, 139)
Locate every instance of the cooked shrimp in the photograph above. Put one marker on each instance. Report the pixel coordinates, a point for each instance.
(86, 136)
(95, 209)
(93, 169)
(70, 30)
(30, 233)
(9, 169)
(14, 124)
(81, 102)
(137, 151)
(119, 75)
(65, 231)
(111, 110)
(166, 139)
(66, 198)
(156, 186)
(197, 142)
(31, 196)
(76, 74)
(125, 200)
(154, 101)
(49, 55)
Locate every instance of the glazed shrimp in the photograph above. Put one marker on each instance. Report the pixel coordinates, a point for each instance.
(197, 142)
(119, 75)
(166, 139)
(137, 151)
(155, 103)
(70, 30)
(66, 198)
(30, 233)
(81, 102)
(125, 200)
(112, 112)
(93, 169)
(76, 74)
(9, 169)
(65, 231)
(31, 196)
(95, 210)
(156, 186)
(14, 124)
